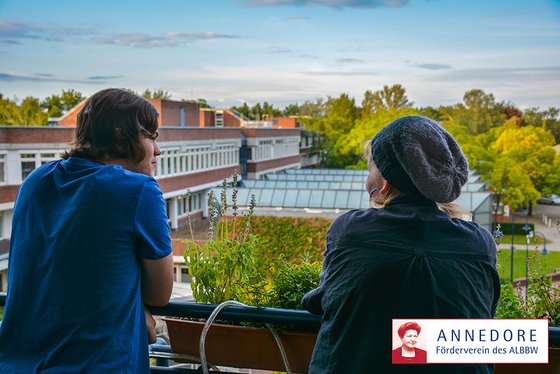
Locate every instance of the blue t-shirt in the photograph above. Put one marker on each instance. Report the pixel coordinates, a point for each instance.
(74, 304)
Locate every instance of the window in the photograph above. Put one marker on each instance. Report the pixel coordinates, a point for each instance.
(31, 161)
(27, 164)
(2, 168)
(219, 118)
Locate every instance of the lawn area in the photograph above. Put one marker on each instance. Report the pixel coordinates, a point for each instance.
(522, 239)
(549, 263)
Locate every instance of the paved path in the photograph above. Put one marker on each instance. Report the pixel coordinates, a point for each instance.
(552, 233)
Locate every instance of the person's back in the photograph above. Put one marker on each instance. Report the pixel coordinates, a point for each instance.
(390, 263)
(81, 231)
(404, 258)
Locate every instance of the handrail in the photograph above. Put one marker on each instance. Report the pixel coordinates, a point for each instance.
(299, 318)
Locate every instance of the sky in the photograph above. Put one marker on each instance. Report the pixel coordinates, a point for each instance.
(284, 51)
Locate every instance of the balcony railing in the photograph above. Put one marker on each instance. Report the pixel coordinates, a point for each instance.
(298, 318)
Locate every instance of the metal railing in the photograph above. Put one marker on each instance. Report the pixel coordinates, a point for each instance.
(298, 318)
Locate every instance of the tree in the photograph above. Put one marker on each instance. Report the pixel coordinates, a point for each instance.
(9, 112)
(291, 110)
(70, 98)
(479, 112)
(57, 105)
(202, 103)
(350, 145)
(53, 105)
(156, 94)
(31, 113)
(547, 119)
(509, 110)
(244, 110)
(256, 112)
(529, 153)
(389, 98)
(317, 108)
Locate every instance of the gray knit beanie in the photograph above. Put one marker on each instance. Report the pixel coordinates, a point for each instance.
(416, 155)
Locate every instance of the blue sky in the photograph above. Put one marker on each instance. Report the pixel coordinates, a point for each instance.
(284, 51)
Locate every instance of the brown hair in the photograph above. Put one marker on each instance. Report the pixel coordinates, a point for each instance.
(408, 326)
(110, 126)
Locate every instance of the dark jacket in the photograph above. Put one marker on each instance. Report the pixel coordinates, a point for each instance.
(407, 260)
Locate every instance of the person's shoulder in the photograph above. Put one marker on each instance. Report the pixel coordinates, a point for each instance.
(478, 231)
(353, 216)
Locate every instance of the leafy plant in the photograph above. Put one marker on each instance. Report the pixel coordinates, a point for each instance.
(235, 264)
(291, 281)
(222, 267)
(540, 299)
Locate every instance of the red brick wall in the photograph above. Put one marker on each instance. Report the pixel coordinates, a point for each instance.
(207, 118)
(230, 120)
(259, 166)
(285, 122)
(195, 179)
(198, 133)
(8, 193)
(170, 113)
(70, 119)
(36, 134)
(262, 133)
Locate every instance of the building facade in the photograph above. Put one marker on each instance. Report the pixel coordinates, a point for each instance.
(199, 149)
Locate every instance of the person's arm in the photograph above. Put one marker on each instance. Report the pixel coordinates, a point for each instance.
(157, 280)
(154, 244)
(150, 325)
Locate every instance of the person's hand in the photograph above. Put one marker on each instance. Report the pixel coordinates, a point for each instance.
(151, 325)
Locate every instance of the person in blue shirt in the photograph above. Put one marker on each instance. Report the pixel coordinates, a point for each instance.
(90, 247)
(409, 256)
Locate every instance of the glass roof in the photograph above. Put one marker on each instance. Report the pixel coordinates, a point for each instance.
(328, 189)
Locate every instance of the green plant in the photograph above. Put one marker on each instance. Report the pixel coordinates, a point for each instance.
(222, 267)
(540, 299)
(235, 264)
(291, 281)
(288, 239)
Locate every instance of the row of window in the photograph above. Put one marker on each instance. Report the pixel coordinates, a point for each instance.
(269, 149)
(174, 161)
(194, 205)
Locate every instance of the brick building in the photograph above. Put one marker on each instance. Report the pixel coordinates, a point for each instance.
(200, 147)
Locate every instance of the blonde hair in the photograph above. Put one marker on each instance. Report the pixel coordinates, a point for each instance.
(381, 200)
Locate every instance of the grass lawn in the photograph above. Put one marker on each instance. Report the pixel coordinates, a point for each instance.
(549, 263)
(522, 239)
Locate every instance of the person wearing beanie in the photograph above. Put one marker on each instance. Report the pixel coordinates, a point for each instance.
(411, 255)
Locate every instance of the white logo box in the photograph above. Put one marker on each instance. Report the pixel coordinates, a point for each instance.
(453, 341)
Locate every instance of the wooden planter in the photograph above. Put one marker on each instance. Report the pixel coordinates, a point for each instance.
(241, 347)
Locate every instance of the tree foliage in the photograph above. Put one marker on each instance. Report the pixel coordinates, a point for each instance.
(389, 98)
(156, 94)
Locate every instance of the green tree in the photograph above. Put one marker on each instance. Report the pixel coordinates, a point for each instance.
(478, 112)
(9, 112)
(202, 103)
(156, 94)
(350, 145)
(529, 154)
(53, 105)
(389, 98)
(291, 110)
(317, 108)
(244, 110)
(31, 113)
(547, 119)
(57, 105)
(70, 98)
